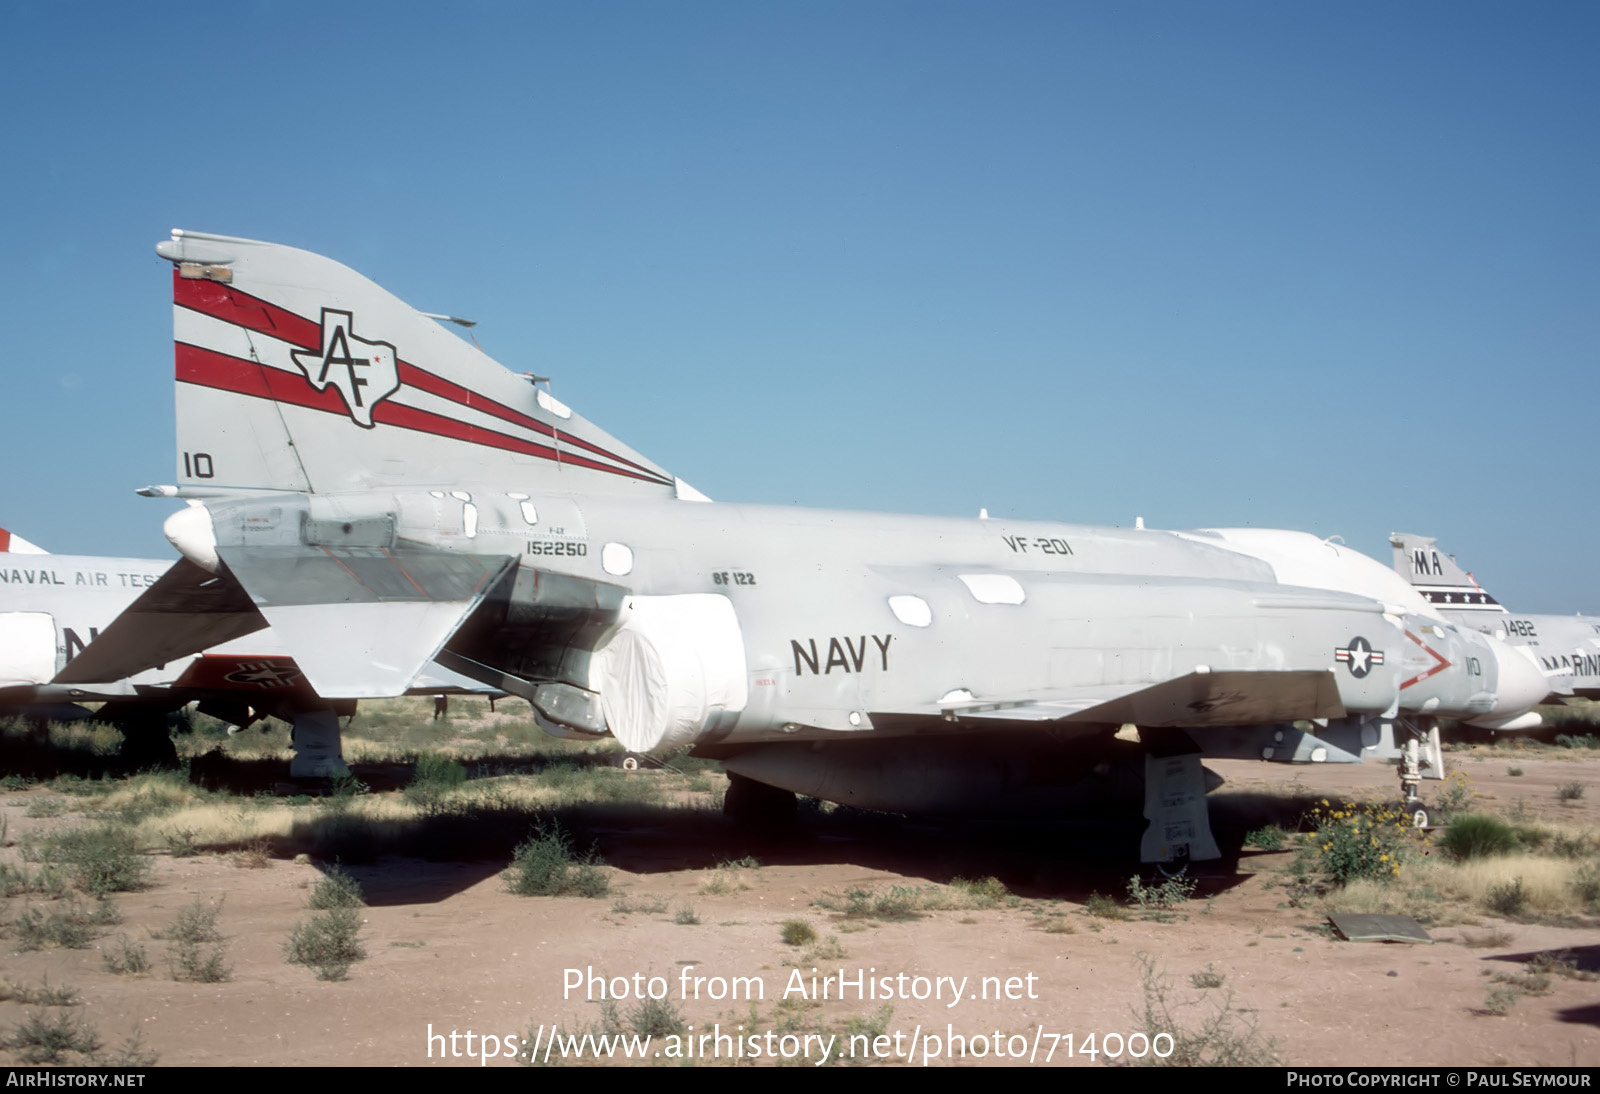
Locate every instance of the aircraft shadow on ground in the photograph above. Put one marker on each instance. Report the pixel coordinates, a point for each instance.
(1041, 856)
(1582, 960)
(1033, 857)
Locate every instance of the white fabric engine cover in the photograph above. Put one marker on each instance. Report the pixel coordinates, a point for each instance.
(675, 662)
(27, 648)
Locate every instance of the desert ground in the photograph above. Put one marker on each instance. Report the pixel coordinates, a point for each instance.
(977, 944)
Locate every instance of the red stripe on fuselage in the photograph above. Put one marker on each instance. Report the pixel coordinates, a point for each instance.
(235, 306)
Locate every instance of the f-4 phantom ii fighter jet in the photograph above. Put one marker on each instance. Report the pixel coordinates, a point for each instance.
(53, 606)
(383, 494)
(1567, 646)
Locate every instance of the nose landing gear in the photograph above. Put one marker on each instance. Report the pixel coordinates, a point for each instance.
(1422, 756)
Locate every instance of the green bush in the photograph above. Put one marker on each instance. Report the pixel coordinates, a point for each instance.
(47, 881)
(199, 963)
(1269, 838)
(71, 927)
(984, 893)
(1356, 841)
(336, 889)
(100, 860)
(1201, 1033)
(196, 922)
(43, 1038)
(1478, 836)
(1162, 897)
(1500, 1000)
(198, 953)
(1508, 899)
(797, 932)
(899, 902)
(545, 865)
(180, 843)
(125, 957)
(327, 942)
(1455, 796)
(42, 996)
(434, 779)
(1586, 886)
(1103, 907)
(656, 1018)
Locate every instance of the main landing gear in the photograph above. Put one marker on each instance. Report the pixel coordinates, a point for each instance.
(758, 806)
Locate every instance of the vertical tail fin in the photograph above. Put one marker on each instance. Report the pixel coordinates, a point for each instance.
(295, 373)
(1437, 576)
(16, 545)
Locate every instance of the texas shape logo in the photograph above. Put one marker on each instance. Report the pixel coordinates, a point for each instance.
(363, 372)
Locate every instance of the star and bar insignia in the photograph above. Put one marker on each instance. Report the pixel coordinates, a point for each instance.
(1359, 655)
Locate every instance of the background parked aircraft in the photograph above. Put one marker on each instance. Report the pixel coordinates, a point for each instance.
(1566, 646)
(53, 606)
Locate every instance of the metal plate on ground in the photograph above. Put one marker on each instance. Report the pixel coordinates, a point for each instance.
(1379, 928)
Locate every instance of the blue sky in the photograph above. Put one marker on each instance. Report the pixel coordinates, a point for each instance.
(1320, 266)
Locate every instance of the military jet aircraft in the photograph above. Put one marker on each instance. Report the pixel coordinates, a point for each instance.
(383, 494)
(53, 606)
(1567, 646)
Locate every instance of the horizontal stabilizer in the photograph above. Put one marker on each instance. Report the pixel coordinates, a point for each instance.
(1200, 699)
(277, 577)
(365, 651)
(362, 622)
(187, 610)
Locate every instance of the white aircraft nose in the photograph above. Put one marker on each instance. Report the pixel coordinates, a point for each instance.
(1522, 682)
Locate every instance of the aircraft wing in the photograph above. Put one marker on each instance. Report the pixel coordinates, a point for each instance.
(1198, 700)
(185, 611)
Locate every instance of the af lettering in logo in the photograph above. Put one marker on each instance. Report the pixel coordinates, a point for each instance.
(364, 373)
(1360, 656)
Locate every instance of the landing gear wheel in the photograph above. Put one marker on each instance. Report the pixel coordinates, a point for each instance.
(1416, 812)
(758, 806)
(146, 744)
(1178, 867)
